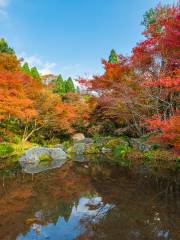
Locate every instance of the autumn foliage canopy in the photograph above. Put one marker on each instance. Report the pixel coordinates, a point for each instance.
(141, 92)
(137, 94)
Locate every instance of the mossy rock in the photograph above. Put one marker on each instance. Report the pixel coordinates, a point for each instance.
(45, 157)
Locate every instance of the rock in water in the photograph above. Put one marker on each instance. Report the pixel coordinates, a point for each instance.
(31, 160)
(33, 155)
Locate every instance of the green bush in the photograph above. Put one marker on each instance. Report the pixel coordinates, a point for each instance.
(121, 151)
(5, 149)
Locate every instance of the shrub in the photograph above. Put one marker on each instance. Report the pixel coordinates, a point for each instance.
(5, 149)
(121, 151)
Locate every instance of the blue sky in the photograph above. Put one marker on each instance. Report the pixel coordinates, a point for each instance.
(72, 36)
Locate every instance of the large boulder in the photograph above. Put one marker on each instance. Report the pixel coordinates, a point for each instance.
(39, 159)
(34, 155)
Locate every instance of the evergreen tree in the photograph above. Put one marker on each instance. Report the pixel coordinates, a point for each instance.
(70, 85)
(113, 58)
(59, 86)
(26, 69)
(35, 73)
(4, 48)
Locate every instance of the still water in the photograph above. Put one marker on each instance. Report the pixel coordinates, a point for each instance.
(83, 202)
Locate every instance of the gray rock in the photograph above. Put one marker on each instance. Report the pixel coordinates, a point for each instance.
(57, 153)
(31, 163)
(79, 148)
(59, 146)
(32, 155)
(139, 145)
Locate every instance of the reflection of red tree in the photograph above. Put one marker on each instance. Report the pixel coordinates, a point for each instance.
(21, 197)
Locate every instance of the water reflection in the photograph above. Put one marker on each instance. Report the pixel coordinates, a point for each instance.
(38, 167)
(98, 202)
(68, 225)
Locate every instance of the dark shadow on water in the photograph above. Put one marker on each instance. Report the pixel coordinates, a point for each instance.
(83, 202)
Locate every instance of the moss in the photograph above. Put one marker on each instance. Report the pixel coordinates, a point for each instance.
(70, 150)
(45, 158)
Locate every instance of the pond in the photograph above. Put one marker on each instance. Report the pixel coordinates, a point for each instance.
(84, 202)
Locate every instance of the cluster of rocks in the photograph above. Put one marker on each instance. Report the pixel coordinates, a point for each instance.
(79, 148)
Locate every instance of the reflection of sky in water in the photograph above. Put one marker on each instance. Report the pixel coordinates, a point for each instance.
(68, 230)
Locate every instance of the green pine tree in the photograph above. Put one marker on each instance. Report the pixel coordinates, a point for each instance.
(59, 86)
(35, 73)
(26, 69)
(4, 48)
(69, 85)
(113, 58)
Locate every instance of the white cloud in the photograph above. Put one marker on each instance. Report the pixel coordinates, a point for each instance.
(44, 67)
(32, 60)
(47, 68)
(3, 12)
(4, 3)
